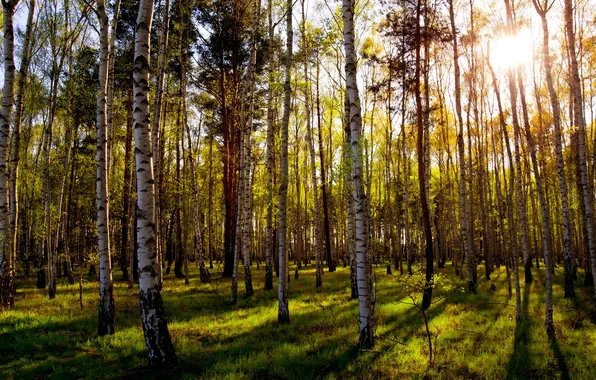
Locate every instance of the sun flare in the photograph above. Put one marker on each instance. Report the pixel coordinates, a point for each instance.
(508, 51)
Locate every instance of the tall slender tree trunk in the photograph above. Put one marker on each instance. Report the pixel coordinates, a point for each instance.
(63, 217)
(269, 251)
(8, 296)
(228, 176)
(126, 190)
(579, 123)
(283, 315)
(502, 216)
(247, 212)
(349, 186)
(428, 239)
(521, 196)
(546, 223)
(162, 52)
(210, 205)
(60, 231)
(66, 238)
(106, 312)
(471, 111)
(178, 245)
(111, 81)
(326, 223)
(556, 110)
(198, 236)
(58, 56)
(246, 123)
(463, 215)
(510, 221)
(239, 223)
(521, 199)
(318, 243)
(6, 260)
(363, 269)
(406, 187)
(300, 240)
(128, 242)
(160, 349)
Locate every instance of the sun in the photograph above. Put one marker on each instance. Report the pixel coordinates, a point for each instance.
(511, 50)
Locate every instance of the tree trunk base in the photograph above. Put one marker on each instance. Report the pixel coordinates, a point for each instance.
(160, 350)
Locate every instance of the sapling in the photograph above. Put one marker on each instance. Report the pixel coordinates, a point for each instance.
(414, 286)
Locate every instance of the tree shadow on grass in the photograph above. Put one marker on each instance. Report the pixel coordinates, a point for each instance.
(561, 362)
(407, 323)
(33, 348)
(520, 362)
(44, 345)
(303, 349)
(556, 349)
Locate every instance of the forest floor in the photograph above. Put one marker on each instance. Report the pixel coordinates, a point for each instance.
(473, 336)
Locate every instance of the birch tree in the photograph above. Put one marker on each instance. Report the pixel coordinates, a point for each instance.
(463, 215)
(283, 315)
(546, 233)
(580, 124)
(511, 222)
(16, 145)
(164, 29)
(365, 288)
(111, 81)
(421, 149)
(248, 118)
(6, 259)
(348, 191)
(311, 148)
(269, 229)
(542, 10)
(106, 290)
(160, 349)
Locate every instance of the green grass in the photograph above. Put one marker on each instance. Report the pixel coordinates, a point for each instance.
(474, 336)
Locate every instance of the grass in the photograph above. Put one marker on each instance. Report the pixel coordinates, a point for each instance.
(474, 336)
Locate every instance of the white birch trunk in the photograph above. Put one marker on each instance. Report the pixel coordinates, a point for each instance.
(270, 163)
(283, 315)
(316, 202)
(579, 123)
(567, 246)
(198, 238)
(365, 289)
(463, 215)
(157, 337)
(6, 263)
(511, 221)
(161, 62)
(546, 223)
(521, 199)
(106, 298)
(111, 79)
(239, 224)
(16, 144)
